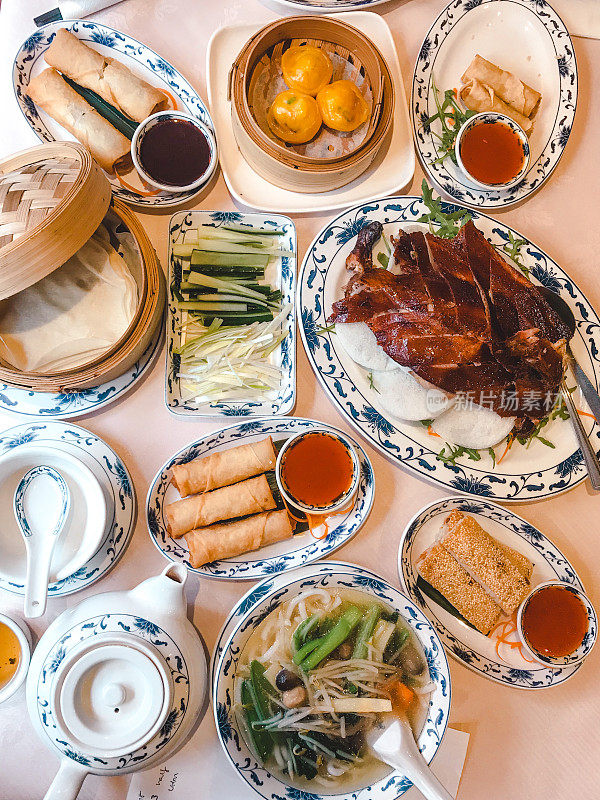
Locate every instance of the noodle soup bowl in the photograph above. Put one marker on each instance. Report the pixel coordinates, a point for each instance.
(234, 647)
(339, 502)
(492, 118)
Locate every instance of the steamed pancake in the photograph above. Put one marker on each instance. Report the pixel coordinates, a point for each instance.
(359, 342)
(401, 395)
(472, 426)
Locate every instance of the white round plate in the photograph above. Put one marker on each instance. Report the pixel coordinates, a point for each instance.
(66, 405)
(470, 647)
(328, 6)
(140, 59)
(300, 549)
(526, 37)
(525, 474)
(116, 484)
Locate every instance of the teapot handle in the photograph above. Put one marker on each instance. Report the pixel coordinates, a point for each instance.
(67, 781)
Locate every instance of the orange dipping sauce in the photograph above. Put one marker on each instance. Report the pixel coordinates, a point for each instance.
(10, 654)
(492, 152)
(554, 622)
(317, 470)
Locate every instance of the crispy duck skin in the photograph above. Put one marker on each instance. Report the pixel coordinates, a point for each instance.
(460, 316)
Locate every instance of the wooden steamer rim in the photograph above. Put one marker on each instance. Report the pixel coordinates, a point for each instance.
(321, 29)
(52, 199)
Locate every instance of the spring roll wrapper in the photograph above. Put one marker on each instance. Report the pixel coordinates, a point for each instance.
(224, 468)
(108, 77)
(50, 92)
(235, 538)
(507, 86)
(248, 497)
(480, 97)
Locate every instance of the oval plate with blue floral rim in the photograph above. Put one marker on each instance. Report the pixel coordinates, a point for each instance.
(66, 405)
(104, 625)
(300, 549)
(140, 59)
(525, 474)
(116, 484)
(470, 647)
(252, 609)
(526, 37)
(280, 273)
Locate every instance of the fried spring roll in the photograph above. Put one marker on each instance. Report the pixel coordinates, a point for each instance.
(224, 468)
(507, 86)
(108, 77)
(106, 144)
(485, 560)
(480, 97)
(229, 539)
(445, 574)
(200, 510)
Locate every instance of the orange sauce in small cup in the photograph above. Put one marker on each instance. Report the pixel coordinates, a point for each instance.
(554, 622)
(317, 470)
(10, 654)
(492, 152)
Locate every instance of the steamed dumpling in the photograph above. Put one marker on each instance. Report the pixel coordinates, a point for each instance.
(402, 396)
(306, 68)
(472, 426)
(294, 117)
(359, 342)
(342, 106)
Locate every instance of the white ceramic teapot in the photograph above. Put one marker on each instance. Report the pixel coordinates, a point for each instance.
(116, 683)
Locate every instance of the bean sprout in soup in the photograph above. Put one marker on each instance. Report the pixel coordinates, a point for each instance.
(314, 677)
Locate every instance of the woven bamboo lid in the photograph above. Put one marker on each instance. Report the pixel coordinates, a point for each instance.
(52, 199)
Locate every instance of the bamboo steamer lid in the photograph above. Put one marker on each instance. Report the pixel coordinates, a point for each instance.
(52, 199)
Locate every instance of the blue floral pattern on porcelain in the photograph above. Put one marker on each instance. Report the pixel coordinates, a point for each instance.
(447, 179)
(254, 566)
(534, 676)
(31, 55)
(166, 649)
(408, 444)
(115, 481)
(280, 401)
(250, 612)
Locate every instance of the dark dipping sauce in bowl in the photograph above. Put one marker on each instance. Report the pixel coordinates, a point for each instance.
(492, 152)
(317, 470)
(174, 152)
(554, 622)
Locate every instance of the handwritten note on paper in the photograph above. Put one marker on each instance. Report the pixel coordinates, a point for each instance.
(196, 771)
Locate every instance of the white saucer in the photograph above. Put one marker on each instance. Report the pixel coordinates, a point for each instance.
(392, 169)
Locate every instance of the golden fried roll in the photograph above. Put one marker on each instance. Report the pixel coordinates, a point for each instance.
(485, 560)
(229, 539)
(507, 86)
(200, 510)
(445, 574)
(479, 97)
(224, 468)
(108, 77)
(50, 92)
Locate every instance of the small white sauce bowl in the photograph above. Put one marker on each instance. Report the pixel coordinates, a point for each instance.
(84, 529)
(148, 123)
(340, 502)
(492, 118)
(589, 638)
(21, 631)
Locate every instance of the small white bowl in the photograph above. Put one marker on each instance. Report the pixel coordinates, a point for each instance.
(344, 499)
(85, 527)
(589, 638)
(21, 631)
(148, 123)
(492, 118)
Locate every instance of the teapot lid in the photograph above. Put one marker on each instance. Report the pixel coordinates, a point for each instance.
(111, 695)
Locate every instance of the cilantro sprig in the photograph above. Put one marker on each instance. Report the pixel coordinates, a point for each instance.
(451, 117)
(442, 223)
(513, 250)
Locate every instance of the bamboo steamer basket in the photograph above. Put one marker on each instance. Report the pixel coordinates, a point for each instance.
(280, 164)
(52, 199)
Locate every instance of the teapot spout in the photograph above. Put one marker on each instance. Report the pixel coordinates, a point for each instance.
(164, 592)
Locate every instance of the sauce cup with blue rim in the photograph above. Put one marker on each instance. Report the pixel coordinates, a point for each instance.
(492, 118)
(169, 152)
